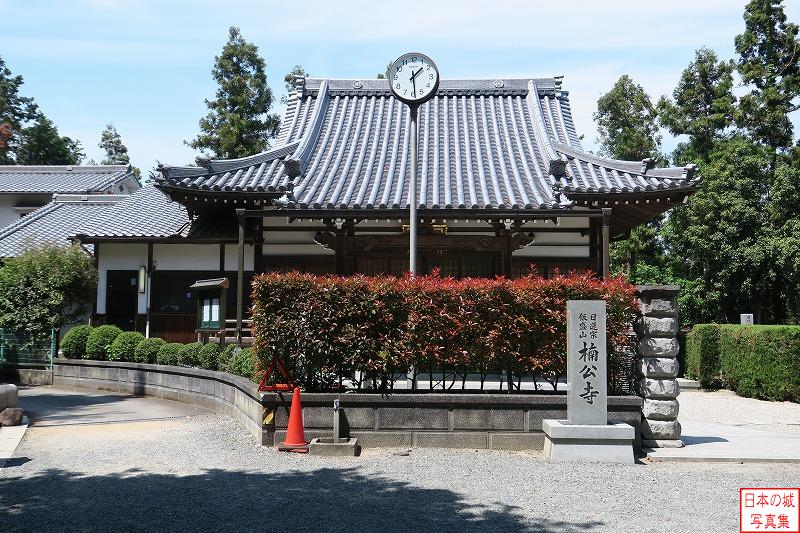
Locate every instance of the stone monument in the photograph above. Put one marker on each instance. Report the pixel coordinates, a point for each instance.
(586, 435)
(746, 319)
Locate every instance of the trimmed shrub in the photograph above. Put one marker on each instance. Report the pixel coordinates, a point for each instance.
(327, 327)
(190, 354)
(761, 361)
(147, 350)
(243, 364)
(124, 346)
(168, 353)
(73, 345)
(226, 357)
(702, 354)
(99, 342)
(208, 357)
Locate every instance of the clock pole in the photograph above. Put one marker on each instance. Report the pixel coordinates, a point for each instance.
(412, 196)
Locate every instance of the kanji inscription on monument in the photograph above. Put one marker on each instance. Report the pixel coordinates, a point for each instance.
(587, 391)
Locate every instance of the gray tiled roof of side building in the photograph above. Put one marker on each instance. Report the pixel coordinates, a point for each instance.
(483, 144)
(54, 223)
(61, 179)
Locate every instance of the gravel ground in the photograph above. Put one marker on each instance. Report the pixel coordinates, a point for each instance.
(204, 473)
(725, 407)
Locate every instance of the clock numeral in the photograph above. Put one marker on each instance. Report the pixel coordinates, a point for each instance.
(429, 85)
(395, 76)
(399, 68)
(430, 76)
(397, 86)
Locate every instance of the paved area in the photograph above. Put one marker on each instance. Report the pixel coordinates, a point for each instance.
(10, 437)
(50, 406)
(205, 473)
(720, 426)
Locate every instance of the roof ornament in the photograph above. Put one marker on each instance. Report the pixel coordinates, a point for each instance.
(357, 84)
(647, 164)
(499, 84)
(688, 171)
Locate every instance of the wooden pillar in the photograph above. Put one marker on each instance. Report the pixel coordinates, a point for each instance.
(594, 240)
(240, 277)
(505, 254)
(606, 237)
(341, 252)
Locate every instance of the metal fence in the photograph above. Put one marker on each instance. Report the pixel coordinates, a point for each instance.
(20, 349)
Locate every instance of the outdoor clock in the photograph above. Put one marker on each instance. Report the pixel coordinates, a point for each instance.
(414, 78)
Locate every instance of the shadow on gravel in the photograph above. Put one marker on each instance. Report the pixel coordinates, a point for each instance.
(321, 500)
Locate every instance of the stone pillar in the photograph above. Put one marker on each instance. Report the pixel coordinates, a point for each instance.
(657, 365)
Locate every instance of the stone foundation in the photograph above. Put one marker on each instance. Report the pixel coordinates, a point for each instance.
(657, 350)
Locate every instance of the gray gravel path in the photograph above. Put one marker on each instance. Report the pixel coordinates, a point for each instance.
(204, 473)
(725, 407)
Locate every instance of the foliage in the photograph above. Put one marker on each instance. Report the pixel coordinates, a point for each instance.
(762, 361)
(326, 328)
(147, 350)
(116, 151)
(41, 144)
(73, 345)
(386, 74)
(238, 123)
(243, 364)
(208, 356)
(124, 346)
(703, 104)
(189, 355)
(45, 288)
(168, 353)
(626, 122)
(702, 354)
(769, 64)
(15, 110)
(226, 357)
(290, 81)
(99, 342)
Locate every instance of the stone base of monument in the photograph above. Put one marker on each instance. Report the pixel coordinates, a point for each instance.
(326, 447)
(612, 443)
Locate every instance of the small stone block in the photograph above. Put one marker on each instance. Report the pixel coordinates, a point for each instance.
(660, 409)
(327, 448)
(665, 389)
(660, 429)
(660, 327)
(662, 443)
(612, 443)
(658, 347)
(657, 306)
(451, 439)
(658, 367)
(516, 441)
(8, 396)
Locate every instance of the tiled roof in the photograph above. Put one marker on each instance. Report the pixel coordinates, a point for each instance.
(149, 214)
(344, 144)
(61, 179)
(54, 222)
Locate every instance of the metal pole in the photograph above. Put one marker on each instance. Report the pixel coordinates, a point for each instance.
(412, 196)
(240, 277)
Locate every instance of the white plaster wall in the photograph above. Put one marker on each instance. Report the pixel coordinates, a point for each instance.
(292, 243)
(119, 256)
(232, 258)
(8, 201)
(186, 256)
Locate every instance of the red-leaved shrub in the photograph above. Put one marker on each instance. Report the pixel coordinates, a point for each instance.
(326, 327)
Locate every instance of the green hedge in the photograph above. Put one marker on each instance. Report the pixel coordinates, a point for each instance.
(124, 346)
(761, 361)
(702, 354)
(99, 342)
(208, 357)
(147, 350)
(189, 355)
(73, 345)
(168, 353)
(243, 364)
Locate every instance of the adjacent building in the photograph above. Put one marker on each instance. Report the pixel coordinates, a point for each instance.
(503, 186)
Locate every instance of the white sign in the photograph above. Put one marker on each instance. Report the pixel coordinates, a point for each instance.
(745, 318)
(587, 358)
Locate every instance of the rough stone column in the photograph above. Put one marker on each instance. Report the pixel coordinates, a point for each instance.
(657, 364)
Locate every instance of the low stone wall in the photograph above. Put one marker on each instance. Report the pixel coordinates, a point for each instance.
(231, 395)
(469, 420)
(494, 421)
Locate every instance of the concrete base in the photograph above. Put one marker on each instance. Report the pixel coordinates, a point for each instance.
(661, 443)
(588, 443)
(327, 448)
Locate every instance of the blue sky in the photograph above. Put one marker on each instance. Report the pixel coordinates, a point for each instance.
(145, 65)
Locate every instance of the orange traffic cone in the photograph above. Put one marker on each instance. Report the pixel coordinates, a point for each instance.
(295, 437)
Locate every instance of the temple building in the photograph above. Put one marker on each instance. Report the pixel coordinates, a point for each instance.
(503, 185)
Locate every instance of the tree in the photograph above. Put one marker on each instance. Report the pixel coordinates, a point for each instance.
(626, 121)
(45, 288)
(386, 74)
(41, 144)
(116, 151)
(238, 122)
(769, 62)
(15, 110)
(702, 105)
(290, 79)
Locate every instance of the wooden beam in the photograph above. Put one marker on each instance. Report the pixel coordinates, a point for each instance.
(606, 235)
(240, 278)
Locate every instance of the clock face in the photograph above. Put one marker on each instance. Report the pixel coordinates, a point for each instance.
(414, 78)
